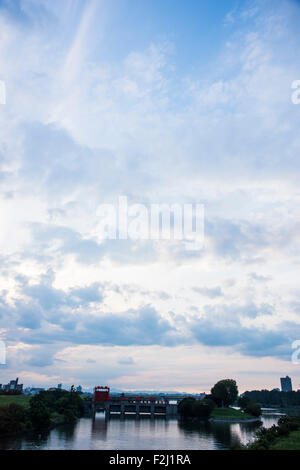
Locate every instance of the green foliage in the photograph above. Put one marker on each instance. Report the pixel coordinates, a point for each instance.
(225, 392)
(253, 409)
(13, 418)
(271, 438)
(68, 405)
(46, 408)
(248, 406)
(274, 398)
(244, 401)
(18, 399)
(40, 414)
(230, 413)
(189, 407)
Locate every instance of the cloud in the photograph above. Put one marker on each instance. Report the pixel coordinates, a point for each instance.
(84, 124)
(126, 361)
(212, 292)
(224, 326)
(259, 277)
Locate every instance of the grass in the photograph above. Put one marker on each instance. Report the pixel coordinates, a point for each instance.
(19, 399)
(229, 413)
(290, 442)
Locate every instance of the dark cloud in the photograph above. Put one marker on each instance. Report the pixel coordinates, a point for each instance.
(220, 327)
(51, 317)
(142, 326)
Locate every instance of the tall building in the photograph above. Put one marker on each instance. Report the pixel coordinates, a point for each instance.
(13, 386)
(286, 384)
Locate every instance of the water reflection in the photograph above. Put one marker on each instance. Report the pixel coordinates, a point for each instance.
(99, 427)
(142, 432)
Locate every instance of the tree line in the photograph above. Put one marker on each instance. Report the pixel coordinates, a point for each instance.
(223, 394)
(45, 410)
(274, 398)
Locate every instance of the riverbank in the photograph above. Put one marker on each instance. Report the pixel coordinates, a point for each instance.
(232, 415)
(20, 414)
(291, 442)
(56, 420)
(284, 436)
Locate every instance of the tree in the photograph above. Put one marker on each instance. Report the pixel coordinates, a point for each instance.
(189, 407)
(186, 407)
(225, 392)
(249, 406)
(39, 413)
(244, 401)
(13, 418)
(253, 409)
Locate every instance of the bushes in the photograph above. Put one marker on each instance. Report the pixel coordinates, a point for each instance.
(69, 405)
(253, 409)
(266, 437)
(191, 408)
(46, 408)
(13, 418)
(40, 414)
(249, 407)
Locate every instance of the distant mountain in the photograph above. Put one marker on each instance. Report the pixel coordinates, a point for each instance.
(143, 392)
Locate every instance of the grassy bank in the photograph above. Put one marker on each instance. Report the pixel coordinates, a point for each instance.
(290, 442)
(229, 413)
(284, 436)
(18, 399)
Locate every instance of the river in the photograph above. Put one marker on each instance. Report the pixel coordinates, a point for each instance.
(141, 433)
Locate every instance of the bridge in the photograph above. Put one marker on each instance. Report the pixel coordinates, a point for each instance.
(138, 405)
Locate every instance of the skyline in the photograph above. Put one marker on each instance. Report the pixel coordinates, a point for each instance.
(26, 388)
(162, 104)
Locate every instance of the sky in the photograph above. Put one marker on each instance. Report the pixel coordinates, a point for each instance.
(161, 102)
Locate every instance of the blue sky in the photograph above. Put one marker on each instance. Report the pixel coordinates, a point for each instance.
(163, 103)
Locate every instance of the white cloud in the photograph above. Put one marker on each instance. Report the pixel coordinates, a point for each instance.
(77, 131)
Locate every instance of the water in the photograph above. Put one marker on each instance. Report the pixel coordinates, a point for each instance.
(141, 433)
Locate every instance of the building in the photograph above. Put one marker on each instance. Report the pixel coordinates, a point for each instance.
(59, 386)
(79, 389)
(286, 384)
(33, 390)
(36, 390)
(13, 386)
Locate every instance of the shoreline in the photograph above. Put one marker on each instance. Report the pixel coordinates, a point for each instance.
(235, 420)
(27, 432)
